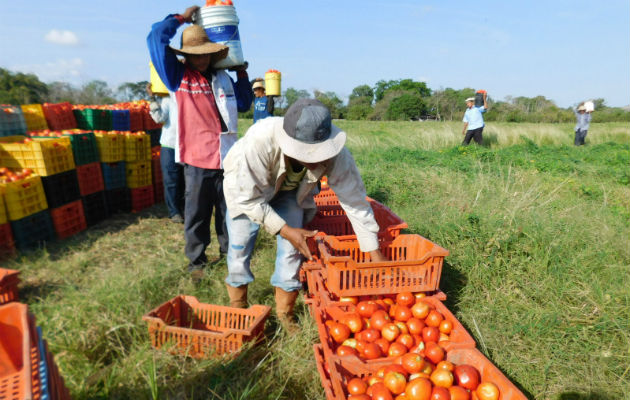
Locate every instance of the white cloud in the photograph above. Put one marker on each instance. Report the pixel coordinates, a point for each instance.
(64, 38)
(65, 70)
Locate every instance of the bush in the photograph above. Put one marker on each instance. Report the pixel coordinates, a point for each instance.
(405, 107)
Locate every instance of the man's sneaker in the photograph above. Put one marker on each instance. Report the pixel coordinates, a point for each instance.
(177, 219)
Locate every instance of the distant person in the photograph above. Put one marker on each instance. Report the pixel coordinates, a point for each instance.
(208, 102)
(263, 104)
(473, 120)
(583, 123)
(163, 111)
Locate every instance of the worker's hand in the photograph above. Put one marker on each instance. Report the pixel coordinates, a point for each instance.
(297, 237)
(377, 256)
(188, 14)
(148, 89)
(242, 67)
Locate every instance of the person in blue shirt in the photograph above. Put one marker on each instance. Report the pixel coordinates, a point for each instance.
(583, 122)
(473, 120)
(263, 104)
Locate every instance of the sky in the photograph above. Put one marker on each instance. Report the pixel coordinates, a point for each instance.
(567, 51)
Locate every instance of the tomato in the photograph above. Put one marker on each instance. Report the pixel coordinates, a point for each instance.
(445, 365)
(442, 378)
(446, 326)
(366, 308)
(359, 397)
(395, 382)
(343, 351)
(396, 368)
(403, 313)
(407, 340)
(361, 346)
(430, 334)
(373, 380)
(371, 335)
(405, 299)
(339, 332)
(388, 301)
(349, 299)
(420, 295)
(396, 349)
(353, 321)
(380, 392)
(379, 319)
(402, 326)
(357, 386)
(392, 311)
(401, 396)
(390, 332)
(434, 352)
(412, 363)
(371, 351)
(420, 310)
(443, 337)
(434, 318)
(352, 342)
(459, 393)
(467, 376)
(383, 344)
(487, 391)
(418, 375)
(440, 393)
(419, 389)
(415, 325)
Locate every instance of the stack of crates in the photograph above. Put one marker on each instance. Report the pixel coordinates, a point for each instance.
(7, 244)
(138, 170)
(11, 121)
(111, 148)
(158, 179)
(340, 274)
(34, 117)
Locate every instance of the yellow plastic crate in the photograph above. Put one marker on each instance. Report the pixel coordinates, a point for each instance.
(3, 208)
(34, 117)
(137, 147)
(24, 197)
(138, 174)
(111, 146)
(46, 156)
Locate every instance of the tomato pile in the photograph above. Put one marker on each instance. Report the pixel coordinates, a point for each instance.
(273, 71)
(54, 133)
(6, 175)
(210, 3)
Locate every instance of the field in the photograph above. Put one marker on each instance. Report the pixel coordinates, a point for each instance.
(538, 233)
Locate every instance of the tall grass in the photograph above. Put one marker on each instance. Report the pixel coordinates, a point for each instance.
(538, 270)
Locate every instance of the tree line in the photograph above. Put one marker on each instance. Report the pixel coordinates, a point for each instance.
(398, 100)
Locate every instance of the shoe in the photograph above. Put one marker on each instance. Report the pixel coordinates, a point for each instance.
(238, 296)
(285, 302)
(178, 219)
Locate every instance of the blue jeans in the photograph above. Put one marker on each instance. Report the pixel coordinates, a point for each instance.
(242, 234)
(173, 176)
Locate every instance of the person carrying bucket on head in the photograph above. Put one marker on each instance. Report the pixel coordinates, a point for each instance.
(263, 104)
(473, 120)
(271, 176)
(208, 102)
(583, 117)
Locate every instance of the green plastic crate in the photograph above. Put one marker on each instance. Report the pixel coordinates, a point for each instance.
(94, 119)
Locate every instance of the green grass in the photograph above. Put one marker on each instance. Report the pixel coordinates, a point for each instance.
(538, 270)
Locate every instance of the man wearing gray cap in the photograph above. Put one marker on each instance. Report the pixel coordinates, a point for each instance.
(271, 176)
(473, 120)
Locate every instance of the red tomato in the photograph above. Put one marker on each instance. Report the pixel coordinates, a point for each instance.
(433, 352)
(467, 376)
(405, 299)
(420, 310)
(446, 326)
(371, 335)
(390, 332)
(371, 351)
(339, 332)
(415, 325)
(419, 389)
(434, 318)
(346, 351)
(380, 392)
(442, 378)
(487, 391)
(396, 368)
(445, 365)
(440, 393)
(349, 299)
(459, 393)
(407, 340)
(395, 382)
(379, 319)
(383, 344)
(430, 334)
(357, 386)
(366, 308)
(353, 321)
(396, 349)
(402, 313)
(402, 326)
(412, 363)
(359, 397)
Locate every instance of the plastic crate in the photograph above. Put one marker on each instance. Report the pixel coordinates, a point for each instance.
(156, 170)
(137, 147)
(11, 121)
(114, 175)
(45, 157)
(69, 219)
(141, 198)
(4, 218)
(136, 119)
(90, 178)
(93, 119)
(118, 200)
(333, 220)
(9, 280)
(34, 117)
(24, 197)
(111, 146)
(61, 188)
(7, 244)
(148, 124)
(32, 231)
(95, 208)
(138, 174)
(59, 116)
(203, 330)
(43, 367)
(155, 135)
(158, 192)
(415, 265)
(84, 147)
(120, 120)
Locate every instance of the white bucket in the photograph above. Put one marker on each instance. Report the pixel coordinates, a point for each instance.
(589, 105)
(221, 25)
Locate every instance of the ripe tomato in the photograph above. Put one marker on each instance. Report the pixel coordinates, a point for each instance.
(440, 393)
(357, 386)
(442, 378)
(353, 321)
(420, 310)
(412, 363)
(379, 319)
(390, 331)
(349, 299)
(467, 376)
(380, 392)
(487, 391)
(446, 326)
(396, 368)
(343, 351)
(433, 352)
(383, 344)
(445, 365)
(395, 382)
(419, 389)
(371, 351)
(359, 397)
(396, 350)
(430, 334)
(371, 335)
(352, 342)
(459, 393)
(361, 346)
(407, 340)
(402, 313)
(405, 299)
(392, 311)
(402, 326)
(415, 325)
(339, 332)
(366, 308)
(434, 318)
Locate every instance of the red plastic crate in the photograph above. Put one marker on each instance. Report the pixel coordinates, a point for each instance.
(69, 219)
(59, 116)
(90, 178)
(142, 198)
(158, 191)
(204, 330)
(9, 280)
(136, 119)
(7, 243)
(148, 123)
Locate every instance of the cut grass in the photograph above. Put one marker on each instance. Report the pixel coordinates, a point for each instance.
(538, 272)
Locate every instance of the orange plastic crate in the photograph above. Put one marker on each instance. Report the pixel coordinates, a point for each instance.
(204, 330)
(69, 219)
(415, 266)
(90, 178)
(9, 280)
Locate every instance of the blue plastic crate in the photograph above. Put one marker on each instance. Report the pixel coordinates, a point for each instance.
(114, 175)
(12, 121)
(30, 232)
(44, 375)
(120, 120)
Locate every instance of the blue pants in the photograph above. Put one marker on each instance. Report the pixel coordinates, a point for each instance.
(243, 232)
(173, 176)
(580, 135)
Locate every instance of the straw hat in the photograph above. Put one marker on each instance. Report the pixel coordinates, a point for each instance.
(470, 99)
(258, 84)
(582, 108)
(195, 40)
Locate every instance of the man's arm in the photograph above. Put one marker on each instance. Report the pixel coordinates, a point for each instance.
(242, 88)
(271, 104)
(465, 128)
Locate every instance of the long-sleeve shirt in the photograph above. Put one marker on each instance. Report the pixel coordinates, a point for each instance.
(165, 113)
(583, 120)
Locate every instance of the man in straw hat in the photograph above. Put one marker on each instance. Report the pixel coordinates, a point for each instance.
(263, 104)
(271, 176)
(583, 118)
(208, 102)
(473, 120)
